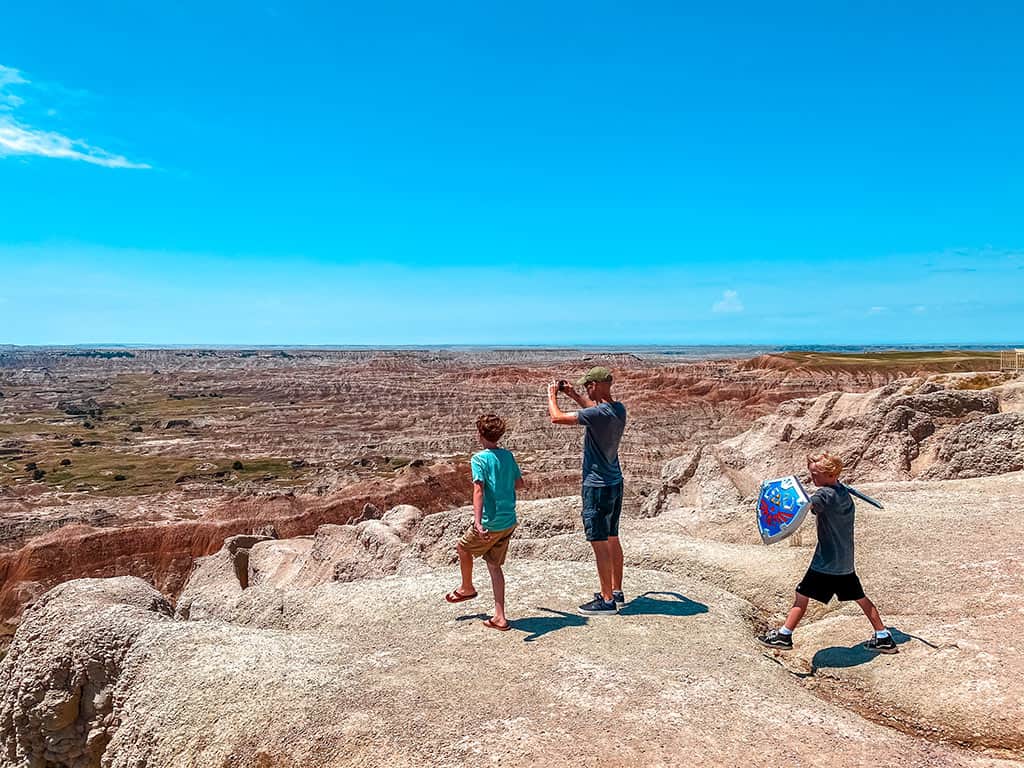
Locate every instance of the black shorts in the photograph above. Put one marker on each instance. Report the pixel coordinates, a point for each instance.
(821, 586)
(601, 510)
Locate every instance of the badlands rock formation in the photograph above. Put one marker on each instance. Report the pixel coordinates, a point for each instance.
(116, 462)
(338, 649)
(916, 428)
(163, 553)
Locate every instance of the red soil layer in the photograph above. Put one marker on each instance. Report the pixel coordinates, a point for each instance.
(164, 553)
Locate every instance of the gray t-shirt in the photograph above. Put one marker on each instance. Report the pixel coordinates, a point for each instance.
(834, 510)
(605, 423)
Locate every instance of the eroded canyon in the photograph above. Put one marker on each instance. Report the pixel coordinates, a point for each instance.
(297, 618)
(116, 462)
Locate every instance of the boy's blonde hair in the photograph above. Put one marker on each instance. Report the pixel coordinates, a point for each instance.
(491, 427)
(827, 462)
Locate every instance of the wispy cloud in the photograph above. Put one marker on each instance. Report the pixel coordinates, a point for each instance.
(729, 303)
(9, 77)
(967, 261)
(877, 310)
(19, 138)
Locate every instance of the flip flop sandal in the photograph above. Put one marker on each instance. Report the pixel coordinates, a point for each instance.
(455, 597)
(501, 628)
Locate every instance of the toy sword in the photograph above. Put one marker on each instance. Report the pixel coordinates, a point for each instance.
(862, 496)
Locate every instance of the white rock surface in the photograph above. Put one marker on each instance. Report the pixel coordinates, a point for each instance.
(382, 671)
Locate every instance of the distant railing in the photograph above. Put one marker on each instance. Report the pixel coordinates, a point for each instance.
(1011, 360)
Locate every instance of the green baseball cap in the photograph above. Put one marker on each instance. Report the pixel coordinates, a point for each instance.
(598, 373)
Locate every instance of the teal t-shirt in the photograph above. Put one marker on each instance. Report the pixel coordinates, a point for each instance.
(496, 468)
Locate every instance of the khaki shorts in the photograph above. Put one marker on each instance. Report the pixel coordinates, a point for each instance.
(492, 549)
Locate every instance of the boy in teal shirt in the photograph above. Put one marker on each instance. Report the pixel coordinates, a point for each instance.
(496, 477)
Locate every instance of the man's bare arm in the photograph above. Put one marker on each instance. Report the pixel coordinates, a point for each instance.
(581, 399)
(558, 416)
(520, 483)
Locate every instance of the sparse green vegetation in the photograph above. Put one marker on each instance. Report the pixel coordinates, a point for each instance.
(105, 472)
(978, 381)
(153, 407)
(33, 426)
(950, 360)
(107, 463)
(104, 355)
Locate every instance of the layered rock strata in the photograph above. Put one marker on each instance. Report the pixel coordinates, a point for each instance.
(915, 428)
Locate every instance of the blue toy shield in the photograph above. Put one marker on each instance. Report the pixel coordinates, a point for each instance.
(781, 507)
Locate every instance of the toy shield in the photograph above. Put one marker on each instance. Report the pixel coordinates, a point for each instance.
(781, 507)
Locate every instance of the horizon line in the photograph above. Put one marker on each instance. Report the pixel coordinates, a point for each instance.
(980, 345)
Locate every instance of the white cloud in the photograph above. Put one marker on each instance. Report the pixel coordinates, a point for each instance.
(920, 308)
(877, 310)
(18, 138)
(9, 76)
(730, 302)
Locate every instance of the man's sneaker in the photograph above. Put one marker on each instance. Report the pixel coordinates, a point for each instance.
(598, 607)
(882, 644)
(775, 639)
(617, 597)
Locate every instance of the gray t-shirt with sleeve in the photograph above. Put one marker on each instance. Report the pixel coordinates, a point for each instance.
(605, 423)
(834, 510)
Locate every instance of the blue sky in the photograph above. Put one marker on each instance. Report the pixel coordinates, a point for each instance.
(327, 173)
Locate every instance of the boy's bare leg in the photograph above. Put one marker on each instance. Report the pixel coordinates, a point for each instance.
(616, 554)
(466, 568)
(872, 613)
(603, 555)
(498, 587)
(797, 611)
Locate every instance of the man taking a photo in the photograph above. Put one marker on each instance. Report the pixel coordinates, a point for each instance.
(604, 420)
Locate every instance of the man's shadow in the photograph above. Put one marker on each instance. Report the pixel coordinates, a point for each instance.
(536, 627)
(838, 657)
(642, 605)
(673, 604)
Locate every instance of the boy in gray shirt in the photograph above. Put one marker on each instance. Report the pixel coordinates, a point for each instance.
(832, 571)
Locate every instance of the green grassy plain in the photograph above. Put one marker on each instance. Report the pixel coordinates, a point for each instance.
(951, 360)
(104, 448)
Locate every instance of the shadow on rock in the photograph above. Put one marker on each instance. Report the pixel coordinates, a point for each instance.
(838, 657)
(672, 604)
(471, 616)
(535, 627)
(538, 626)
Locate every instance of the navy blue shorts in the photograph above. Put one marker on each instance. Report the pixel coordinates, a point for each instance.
(601, 510)
(821, 586)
